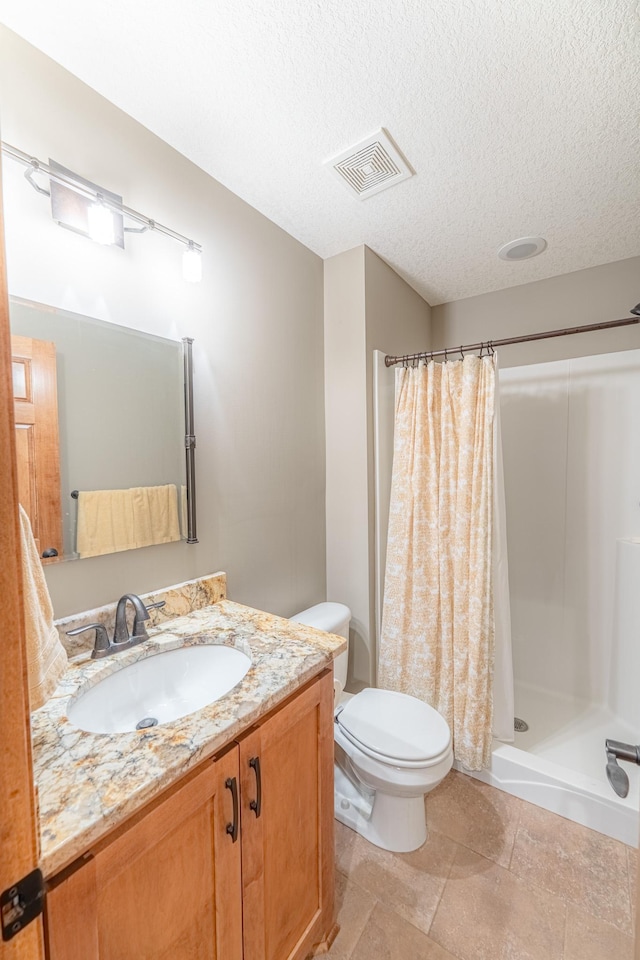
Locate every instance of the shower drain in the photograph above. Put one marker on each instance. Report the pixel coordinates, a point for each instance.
(520, 726)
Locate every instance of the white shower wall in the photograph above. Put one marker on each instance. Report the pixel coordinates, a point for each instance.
(571, 439)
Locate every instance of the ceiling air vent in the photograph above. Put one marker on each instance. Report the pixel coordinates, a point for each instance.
(371, 165)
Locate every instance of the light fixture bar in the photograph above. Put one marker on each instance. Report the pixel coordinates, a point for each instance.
(37, 166)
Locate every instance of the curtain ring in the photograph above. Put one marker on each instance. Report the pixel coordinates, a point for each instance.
(462, 353)
(492, 347)
(481, 349)
(445, 355)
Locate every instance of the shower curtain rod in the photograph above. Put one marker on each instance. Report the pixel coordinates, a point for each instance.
(491, 344)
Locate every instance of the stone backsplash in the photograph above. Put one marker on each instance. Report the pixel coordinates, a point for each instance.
(180, 599)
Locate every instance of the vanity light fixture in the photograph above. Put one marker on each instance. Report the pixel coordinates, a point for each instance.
(100, 219)
(95, 213)
(86, 208)
(192, 264)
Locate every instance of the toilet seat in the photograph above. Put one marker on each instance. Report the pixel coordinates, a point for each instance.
(395, 729)
(391, 761)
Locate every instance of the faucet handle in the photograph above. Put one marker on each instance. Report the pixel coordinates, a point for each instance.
(142, 614)
(102, 643)
(139, 631)
(155, 606)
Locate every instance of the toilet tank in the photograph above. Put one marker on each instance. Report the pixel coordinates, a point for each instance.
(332, 618)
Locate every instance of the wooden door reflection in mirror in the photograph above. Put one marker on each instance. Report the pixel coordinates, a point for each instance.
(37, 441)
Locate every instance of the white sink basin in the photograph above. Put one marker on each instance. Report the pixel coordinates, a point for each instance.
(161, 688)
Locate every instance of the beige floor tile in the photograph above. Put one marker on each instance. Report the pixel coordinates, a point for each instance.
(485, 913)
(388, 937)
(589, 938)
(476, 815)
(344, 837)
(581, 866)
(410, 884)
(353, 908)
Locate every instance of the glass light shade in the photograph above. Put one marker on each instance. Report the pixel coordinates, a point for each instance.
(101, 226)
(192, 265)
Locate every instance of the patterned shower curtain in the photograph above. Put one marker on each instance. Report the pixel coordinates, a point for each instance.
(437, 636)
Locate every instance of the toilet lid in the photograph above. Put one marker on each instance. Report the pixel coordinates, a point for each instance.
(395, 725)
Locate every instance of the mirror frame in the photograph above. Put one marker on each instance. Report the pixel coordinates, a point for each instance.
(189, 439)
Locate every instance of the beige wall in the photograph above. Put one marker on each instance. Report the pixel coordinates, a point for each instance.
(367, 307)
(346, 451)
(586, 296)
(256, 319)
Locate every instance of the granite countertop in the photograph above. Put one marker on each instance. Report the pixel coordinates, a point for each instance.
(88, 783)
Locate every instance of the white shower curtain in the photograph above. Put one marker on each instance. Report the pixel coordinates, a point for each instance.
(445, 604)
(503, 706)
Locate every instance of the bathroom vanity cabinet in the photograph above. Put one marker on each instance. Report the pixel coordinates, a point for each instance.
(234, 862)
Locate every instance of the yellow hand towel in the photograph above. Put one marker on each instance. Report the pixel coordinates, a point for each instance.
(155, 514)
(184, 514)
(105, 522)
(46, 657)
(114, 520)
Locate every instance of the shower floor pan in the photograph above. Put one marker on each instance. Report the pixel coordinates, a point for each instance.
(559, 763)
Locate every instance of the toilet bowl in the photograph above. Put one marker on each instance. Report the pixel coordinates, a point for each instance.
(391, 749)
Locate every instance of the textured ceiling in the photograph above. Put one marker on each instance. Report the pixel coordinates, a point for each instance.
(520, 117)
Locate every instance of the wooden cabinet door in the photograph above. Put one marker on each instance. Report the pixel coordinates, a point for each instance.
(168, 887)
(286, 775)
(35, 397)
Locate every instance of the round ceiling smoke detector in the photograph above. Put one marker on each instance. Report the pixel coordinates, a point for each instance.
(522, 249)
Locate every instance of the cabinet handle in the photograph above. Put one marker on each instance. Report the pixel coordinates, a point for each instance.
(256, 805)
(232, 828)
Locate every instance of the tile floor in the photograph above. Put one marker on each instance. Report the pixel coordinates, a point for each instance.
(498, 879)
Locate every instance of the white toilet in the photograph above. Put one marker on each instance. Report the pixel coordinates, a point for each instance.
(391, 749)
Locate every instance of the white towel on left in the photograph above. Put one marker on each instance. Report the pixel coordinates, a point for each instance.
(46, 657)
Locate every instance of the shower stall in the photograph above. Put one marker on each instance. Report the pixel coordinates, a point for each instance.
(571, 447)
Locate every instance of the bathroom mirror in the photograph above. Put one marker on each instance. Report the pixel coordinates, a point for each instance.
(119, 427)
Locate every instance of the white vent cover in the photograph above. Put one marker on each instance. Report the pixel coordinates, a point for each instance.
(371, 165)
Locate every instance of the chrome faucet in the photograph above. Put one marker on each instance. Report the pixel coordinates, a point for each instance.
(122, 639)
(616, 776)
(121, 633)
